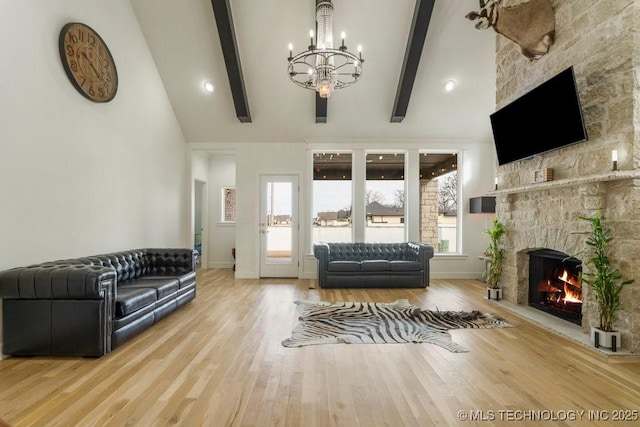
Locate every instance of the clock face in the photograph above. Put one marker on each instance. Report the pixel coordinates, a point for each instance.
(88, 62)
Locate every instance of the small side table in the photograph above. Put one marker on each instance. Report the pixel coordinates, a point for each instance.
(487, 261)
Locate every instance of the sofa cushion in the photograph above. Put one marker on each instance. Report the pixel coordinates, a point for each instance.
(130, 299)
(344, 266)
(183, 279)
(163, 286)
(406, 266)
(376, 265)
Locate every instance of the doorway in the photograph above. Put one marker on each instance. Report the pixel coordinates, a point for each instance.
(278, 226)
(199, 214)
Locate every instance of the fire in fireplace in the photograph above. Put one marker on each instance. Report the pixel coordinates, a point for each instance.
(555, 285)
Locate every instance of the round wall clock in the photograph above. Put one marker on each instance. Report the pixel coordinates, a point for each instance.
(88, 62)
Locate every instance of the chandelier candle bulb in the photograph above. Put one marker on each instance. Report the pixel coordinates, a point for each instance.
(614, 159)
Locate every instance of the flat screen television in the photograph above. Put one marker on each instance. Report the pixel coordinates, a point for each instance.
(546, 118)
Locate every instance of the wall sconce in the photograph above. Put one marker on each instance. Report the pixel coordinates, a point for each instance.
(614, 160)
(495, 181)
(482, 205)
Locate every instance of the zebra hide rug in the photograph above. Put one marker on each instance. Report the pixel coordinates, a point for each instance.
(378, 323)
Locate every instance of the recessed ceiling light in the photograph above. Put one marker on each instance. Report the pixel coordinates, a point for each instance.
(208, 86)
(449, 85)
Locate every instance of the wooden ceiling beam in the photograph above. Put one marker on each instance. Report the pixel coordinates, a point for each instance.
(413, 52)
(226, 32)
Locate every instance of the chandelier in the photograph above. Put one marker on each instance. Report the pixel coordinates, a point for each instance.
(322, 67)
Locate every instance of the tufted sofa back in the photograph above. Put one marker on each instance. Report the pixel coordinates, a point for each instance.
(138, 262)
(371, 251)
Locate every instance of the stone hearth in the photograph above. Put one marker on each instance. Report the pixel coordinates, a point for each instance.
(547, 216)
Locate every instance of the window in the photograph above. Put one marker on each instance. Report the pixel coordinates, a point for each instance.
(332, 197)
(439, 201)
(379, 185)
(384, 198)
(228, 204)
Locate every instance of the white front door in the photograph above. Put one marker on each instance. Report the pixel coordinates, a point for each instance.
(278, 226)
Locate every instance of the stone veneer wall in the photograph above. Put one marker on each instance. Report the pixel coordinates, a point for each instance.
(429, 212)
(601, 40)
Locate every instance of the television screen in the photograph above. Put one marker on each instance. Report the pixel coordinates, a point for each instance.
(546, 118)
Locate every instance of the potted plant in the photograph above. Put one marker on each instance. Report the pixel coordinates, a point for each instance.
(495, 257)
(605, 281)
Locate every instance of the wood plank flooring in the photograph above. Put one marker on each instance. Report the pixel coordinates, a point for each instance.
(218, 362)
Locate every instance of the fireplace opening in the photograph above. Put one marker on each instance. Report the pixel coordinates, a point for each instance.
(555, 284)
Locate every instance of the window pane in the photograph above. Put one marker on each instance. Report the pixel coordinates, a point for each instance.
(332, 197)
(228, 204)
(279, 215)
(384, 198)
(439, 201)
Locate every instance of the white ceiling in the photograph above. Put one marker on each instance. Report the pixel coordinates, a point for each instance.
(184, 42)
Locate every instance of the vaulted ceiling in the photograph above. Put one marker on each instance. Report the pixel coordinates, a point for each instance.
(411, 49)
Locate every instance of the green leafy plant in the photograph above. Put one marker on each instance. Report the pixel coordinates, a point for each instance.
(605, 280)
(495, 253)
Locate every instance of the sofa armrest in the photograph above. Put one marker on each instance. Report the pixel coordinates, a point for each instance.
(321, 252)
(423, 252)
(53, 281)
(58, 310)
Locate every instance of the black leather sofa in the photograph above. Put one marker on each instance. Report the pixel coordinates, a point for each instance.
(89, 306)
(373, 265)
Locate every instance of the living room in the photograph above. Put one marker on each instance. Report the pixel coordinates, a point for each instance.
(81, 178)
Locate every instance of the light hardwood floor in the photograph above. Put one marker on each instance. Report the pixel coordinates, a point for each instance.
(218, 362)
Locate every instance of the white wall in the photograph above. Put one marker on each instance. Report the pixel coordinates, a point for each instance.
(200, 166)
(252, 161)
(77, 177)
(476, 174)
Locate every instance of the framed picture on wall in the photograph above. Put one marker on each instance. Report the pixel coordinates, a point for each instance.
(228, 204)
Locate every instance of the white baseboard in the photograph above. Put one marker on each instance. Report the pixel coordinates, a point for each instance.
(440, 275)
(220, 264)
(457, 275)
(247, 274)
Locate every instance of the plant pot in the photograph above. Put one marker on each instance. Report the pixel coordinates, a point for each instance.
(604, 339)
(494, 293)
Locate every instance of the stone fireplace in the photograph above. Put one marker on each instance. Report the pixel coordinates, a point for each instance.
(600, 40)
(545, 218)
